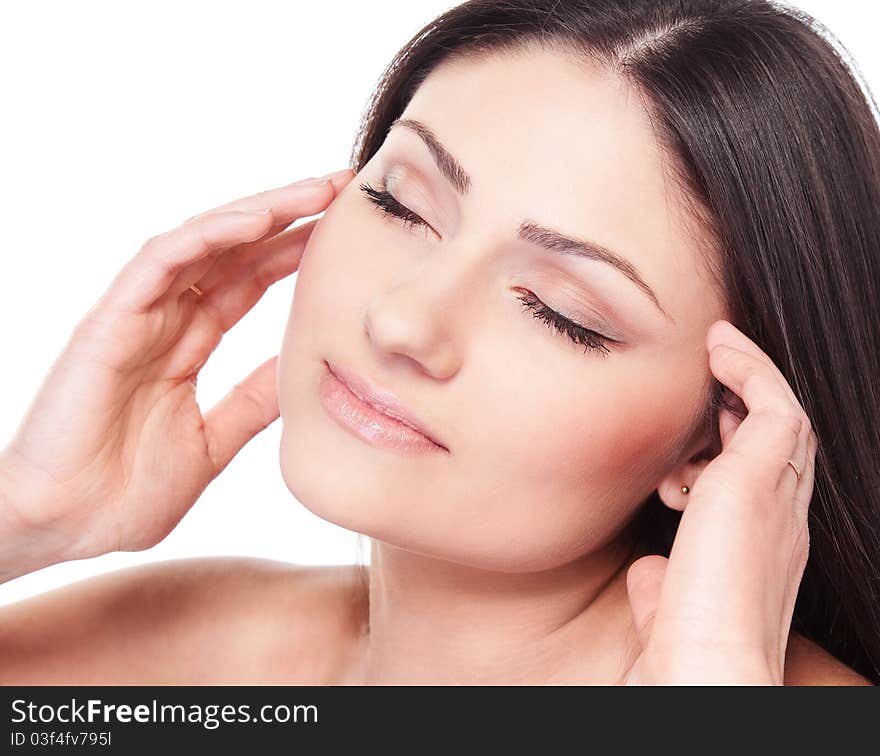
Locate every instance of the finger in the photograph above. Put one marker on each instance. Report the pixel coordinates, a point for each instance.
(201, 272)
(644, 580)
(234, 286)
(768, 435)
(804, 492)
(195, 273)
(789, 480)
(727, 425)
(156, 266)
(285, 204)
(249, 258)
(286, 210)
(248, 408)
(284, 199)
(724, 332)
(752, 380)
(147, 275)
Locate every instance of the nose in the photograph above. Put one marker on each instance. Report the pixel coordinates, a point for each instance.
(426, 318)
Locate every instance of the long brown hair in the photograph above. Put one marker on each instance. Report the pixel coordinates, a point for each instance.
(776, 145)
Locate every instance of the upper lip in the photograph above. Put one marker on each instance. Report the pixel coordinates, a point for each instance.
(382, 400)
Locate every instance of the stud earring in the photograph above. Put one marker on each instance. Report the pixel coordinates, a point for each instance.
(685, 489)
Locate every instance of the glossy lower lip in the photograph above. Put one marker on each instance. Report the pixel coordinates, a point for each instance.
(366, 422)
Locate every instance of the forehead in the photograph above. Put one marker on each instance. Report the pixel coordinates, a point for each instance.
(570, 146)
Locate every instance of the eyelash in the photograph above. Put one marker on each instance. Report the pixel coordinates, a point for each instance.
(386, 202)
(585, 337)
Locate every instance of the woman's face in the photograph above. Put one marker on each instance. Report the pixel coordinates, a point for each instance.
(552, 445)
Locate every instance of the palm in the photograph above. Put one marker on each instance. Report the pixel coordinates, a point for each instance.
(115, 444)
(720, 608)
(125, 390)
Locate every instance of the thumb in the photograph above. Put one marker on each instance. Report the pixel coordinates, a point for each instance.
(248, 408)
(644, 579)
(727, 424)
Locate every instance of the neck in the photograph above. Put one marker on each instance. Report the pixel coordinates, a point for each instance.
(436, 622)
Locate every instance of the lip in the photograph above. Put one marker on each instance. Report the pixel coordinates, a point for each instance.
(374, 414)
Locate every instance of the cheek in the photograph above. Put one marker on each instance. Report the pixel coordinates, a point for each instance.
(323, 313)
(560, 474)
(332, 266)
(351, 254)
(595, 431)
(334, 280)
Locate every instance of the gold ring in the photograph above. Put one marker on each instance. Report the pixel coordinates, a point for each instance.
(196, 289)
(794, 467)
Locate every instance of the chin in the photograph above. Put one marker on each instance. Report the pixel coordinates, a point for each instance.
(352, 499)
(368, 509)
(406, 501)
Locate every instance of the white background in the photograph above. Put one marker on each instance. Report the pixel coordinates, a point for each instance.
(121, 120)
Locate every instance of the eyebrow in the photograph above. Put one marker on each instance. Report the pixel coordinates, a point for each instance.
(528, 231)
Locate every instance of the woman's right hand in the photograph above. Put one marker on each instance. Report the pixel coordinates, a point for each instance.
(114, 449)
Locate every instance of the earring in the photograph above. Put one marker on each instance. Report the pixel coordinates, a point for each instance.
(685, 489)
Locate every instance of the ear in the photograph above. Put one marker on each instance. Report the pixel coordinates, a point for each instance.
(707, 442)
(684, 474)
(702, 449)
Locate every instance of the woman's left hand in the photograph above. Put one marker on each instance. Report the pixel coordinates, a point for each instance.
(719, 610)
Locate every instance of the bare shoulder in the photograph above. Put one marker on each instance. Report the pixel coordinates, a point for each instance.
(321, 615)
(807, 663)
(200, 620)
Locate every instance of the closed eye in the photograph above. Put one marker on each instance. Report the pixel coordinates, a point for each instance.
(586, 337)
(389, 205)
(591, 340)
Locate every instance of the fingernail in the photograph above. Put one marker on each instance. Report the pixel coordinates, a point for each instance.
(311, 182)
(337, 174)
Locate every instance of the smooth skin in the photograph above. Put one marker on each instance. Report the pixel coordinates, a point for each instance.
(133, 362)
(74, 487)
(747, 500)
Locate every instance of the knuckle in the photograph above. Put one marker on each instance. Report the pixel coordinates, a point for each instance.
(792, 421)
(152, 250)
(152, 243)
(194, 234)
(724, 356)
(806, 424)
(245, 393)
(261, 277)
(811, 462)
